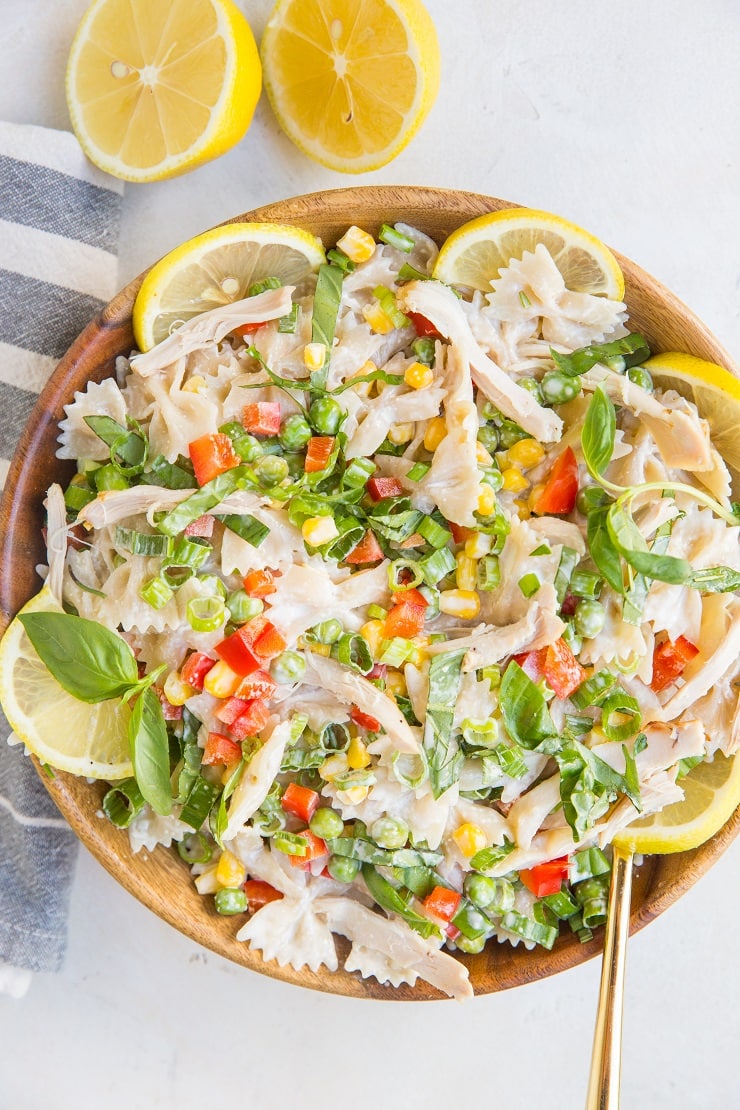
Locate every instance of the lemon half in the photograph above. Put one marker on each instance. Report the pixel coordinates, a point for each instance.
(474, 255)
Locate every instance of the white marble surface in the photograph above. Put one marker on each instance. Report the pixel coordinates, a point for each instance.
(625, 118)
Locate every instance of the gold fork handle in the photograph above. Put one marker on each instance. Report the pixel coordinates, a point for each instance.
(606, 1057)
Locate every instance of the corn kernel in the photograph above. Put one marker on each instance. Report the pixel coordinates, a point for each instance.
(319, 649)
(176, 691)
(357, 754)
(466, 574)
(194, 384)
(460, 603)
(401, 433)
(395, 684)
(364, 389)
(483, 457)
(221, 681)
(318, 530)
(435, 433)
(206, 882)
(357, 244)
(522, 508)
(469, 839)
(478, 545)
(334, 765)
(535, 495)
(230, 871)
(354, 796)
(526, 453)
(514, 480)
(374, 633)
(377, 319)
(486, 499)
(418, 376)
(314, 355)
(417, 656)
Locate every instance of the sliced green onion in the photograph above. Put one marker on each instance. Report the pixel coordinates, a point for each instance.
(258, 287)
(561, 904)
(78, 494)
(418, 470)
(122, 802)
(290, 844)
(334, 737)
(246, 527)
(212, 585)
(410, 273)
(327, 632)
(593, 896)
(409, 769)
(437, 566)
(288, 667)
(354, 651)
(492, 675)
(488, 858)
(543, 549)
(434, 533)
(576, 923)
(377, 612)
(230, 901)
(593, 690)
(529, 584)
(387, 301)
(357, 473)
(620, 716)
(395, 238)
(197, 805)
(395, 652)
(175, 576)
(588, 864)
(481, 734)
(399, 571)
(194, 848)
(156, 592)
(470, 921)
(206, 614)
(521, 926)
(288, 325)
(138, 543)
(488, 573)
(190, 552)
(568, 562)
(109, 477)
(584, 583)
(340, 259)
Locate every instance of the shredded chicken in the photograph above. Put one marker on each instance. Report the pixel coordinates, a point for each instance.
(257, 778)
(487, 646)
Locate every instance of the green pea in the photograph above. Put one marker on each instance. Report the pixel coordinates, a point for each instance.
(343, 868)
(230, 901)
(616, 363)
(295, 432)
(326, 823)
(326, 415)
(490, 412)
(389, 832)
(471, 945)
(510, 433)
(488, 436)
(288, 667)
(248, 448)
(558, 389)
(327, 632)
(271, 470)
(589, 617)
(590, 498)
(296, 464)
(640, 376)
(480, 889)
(532, 386)
(493, 476)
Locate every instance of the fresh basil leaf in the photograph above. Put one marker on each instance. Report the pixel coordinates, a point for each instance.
(392, 900)
(602, 550)
(598, 433)
(664, 568)
(714, 580)
(326, 303)
(88, 660)
(488, 858)
(106, 428)
(204, 499)
(170, 475)
(150, 752)
(218, 826)
(631, 350)
(524, 709)
(373, 376)
(443, 754)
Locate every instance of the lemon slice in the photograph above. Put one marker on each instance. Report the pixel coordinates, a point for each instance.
(217, 268)
(86, 740)
(157, 87)
(474, 255)
(712, 793)
(351, 82)
(714, 391)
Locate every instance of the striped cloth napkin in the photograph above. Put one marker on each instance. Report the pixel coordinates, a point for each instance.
(59, 225)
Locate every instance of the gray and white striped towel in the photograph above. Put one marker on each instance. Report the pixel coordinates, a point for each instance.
(59, 225)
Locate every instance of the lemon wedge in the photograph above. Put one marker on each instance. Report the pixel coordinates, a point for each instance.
(217, 268)
(714, 391)
(157, 87)
(86, 740)
(474, 255)
(712, 793)
(351, 82)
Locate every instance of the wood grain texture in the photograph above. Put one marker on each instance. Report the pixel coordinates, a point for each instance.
(161, 880)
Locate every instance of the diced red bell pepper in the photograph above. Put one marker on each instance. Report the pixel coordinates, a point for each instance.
(405, 620)
(532, 663)
(230, 709)
(410, 597)
(452, 931)
(170, 712)
(561, 487)
(315, 848)
(364, 720)
(563, 672)
(379, 671)
(669, 660)
(251, 721)
(259, 893)
(545, 878)
(236, 652)
(423, 327)
(212, 455)
(379, 488)
(318, 453)
(442, 903)
(219, 749)
(300, 801)
(260, 583)
(249, 329)
(203, 526)
(195, 668)
(368, 550)
(262, 418)
(459, 532)
(570, 603)
(257, 685)
(270, 642)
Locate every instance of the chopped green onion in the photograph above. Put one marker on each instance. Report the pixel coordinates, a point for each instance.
(584, 583)
(288, 667)
(122, 802)
(561, 904)
(290, 844)
(230, 901)
(194, 848)
(156, 592)
(395, 238)
(481, 734)
(524, 299)
(175, 576)
(349, 779)
(190, 553)
(387, 301)
(543, 549)
(418, 470)
(246, 527)
(424, 350)
(206, 614)
(470, 921)
(288, 325)
(410, 769)
(529, 584)
(437, 566)
(410, 273)
(620, 716)
(489, 573)
(78, 494)
(593, 896)
(588, 864)
(139, 543)
(521, 926)
(353, 651)
(593, 690)
(357, 473)
(488, 858)
(576, 923)
(492, 675)
(258, 287)
(377, 612)
(434, 533)
(109, 477)
(340, 259)
(212, 584)
(398, 574)
(197, 805)
(327, 632)
(566, 566)
(395, 652)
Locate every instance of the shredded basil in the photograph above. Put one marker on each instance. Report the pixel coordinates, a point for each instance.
(442, 751)
(631, 350)
(524, 709)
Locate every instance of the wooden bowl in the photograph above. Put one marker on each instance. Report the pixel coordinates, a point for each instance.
(161, 880)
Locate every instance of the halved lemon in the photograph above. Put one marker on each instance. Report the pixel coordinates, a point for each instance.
(714, 391)
(217, 268)
(351, 81)
(712, 794)
(86, 740)
(474, 255)
(157, 87)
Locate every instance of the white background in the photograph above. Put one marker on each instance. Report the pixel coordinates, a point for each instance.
(625, 118)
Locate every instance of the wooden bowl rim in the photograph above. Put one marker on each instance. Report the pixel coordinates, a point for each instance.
(659, 882)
